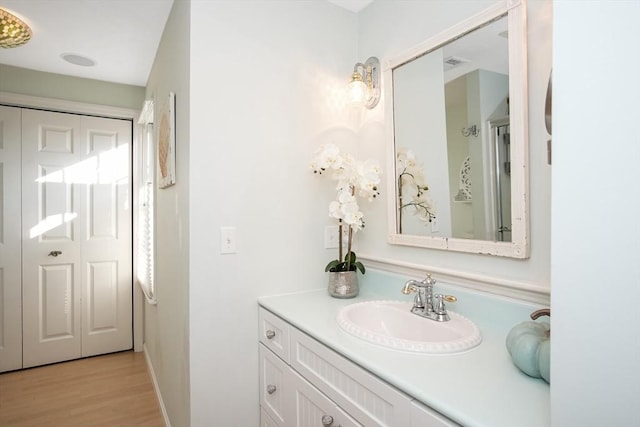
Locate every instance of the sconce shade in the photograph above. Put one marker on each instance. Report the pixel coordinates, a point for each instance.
(13, 32)
(357, 90)
(364, 87)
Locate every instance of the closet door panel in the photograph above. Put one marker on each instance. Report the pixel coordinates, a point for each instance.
(53, 173)
(106, 238)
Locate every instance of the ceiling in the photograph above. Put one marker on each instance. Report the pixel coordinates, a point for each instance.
(120, 36)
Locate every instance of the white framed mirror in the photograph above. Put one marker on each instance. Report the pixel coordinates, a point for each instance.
(458, 137)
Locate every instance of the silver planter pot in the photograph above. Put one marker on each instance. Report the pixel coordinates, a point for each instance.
(343, 284)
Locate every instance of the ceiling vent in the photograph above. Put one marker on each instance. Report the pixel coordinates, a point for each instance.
(453, 61)
(76, 59)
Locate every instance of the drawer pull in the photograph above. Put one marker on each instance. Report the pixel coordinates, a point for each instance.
(271, 389)
(327, 420)
(270, 334)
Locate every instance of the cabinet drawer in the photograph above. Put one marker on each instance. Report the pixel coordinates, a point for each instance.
(313, 409)
(274, 334)
(273, 385)
(371, 401)
(423, 416)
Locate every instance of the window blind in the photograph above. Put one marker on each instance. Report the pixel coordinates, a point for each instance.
(145, 253)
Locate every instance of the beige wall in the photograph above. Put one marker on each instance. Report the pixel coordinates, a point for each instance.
(167, 324)
(57, 86)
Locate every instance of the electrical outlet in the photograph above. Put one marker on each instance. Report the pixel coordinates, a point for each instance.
(434, 225)
(331, 236)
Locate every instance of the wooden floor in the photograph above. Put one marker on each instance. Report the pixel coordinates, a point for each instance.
(114, 390)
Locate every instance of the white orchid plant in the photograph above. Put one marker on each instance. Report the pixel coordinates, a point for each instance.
(354, 179)
(413, 188)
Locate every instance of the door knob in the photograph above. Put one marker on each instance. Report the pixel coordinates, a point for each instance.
(55, 253)
(327, 420)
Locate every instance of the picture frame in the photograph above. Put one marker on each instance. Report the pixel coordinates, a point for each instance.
(167, 143)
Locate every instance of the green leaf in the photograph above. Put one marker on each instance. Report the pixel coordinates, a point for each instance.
(349, 264)
(332, 265)
(350, 257)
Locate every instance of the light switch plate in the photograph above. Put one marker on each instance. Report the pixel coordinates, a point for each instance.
(331, 238)
(227, 240)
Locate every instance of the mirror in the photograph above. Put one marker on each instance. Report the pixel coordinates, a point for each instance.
(458, 137)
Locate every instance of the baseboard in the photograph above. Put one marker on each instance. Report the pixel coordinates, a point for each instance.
(167, 423)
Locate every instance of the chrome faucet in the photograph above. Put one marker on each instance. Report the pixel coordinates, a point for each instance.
(423, 304)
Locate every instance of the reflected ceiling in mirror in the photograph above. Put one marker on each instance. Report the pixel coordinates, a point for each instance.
(458, 138)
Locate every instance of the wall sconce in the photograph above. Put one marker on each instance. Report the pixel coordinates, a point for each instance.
(364, 87)
(13, 32)
(471, 130)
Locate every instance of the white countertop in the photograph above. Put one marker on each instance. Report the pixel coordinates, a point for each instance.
(480, 387)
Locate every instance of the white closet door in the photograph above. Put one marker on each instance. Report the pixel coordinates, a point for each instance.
(10, 270)
(51, 219)
(107, 244)
(76, 236)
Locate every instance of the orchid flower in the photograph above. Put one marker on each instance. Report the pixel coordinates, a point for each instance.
(412, 185)
(353, 179)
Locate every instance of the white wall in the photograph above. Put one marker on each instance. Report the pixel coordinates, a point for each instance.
(167, 323)
(595, 268)
(387, 29)
(267, 80)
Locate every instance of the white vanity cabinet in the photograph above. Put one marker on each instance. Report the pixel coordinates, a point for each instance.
(424, 417)
(274, 386)
(266, 420)
(311, 408)
(274, 334)
(303, 383)
(287, 399)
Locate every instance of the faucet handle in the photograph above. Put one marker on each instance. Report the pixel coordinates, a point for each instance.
(418, 300)
(449, 298)
(440, 308)
(407, 289)
(410, 286)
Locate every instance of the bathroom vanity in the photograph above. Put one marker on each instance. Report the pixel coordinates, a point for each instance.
(313, 373)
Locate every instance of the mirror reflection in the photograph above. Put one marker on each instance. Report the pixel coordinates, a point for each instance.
(452, 138)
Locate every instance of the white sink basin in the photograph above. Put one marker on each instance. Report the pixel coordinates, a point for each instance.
(391, 324)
